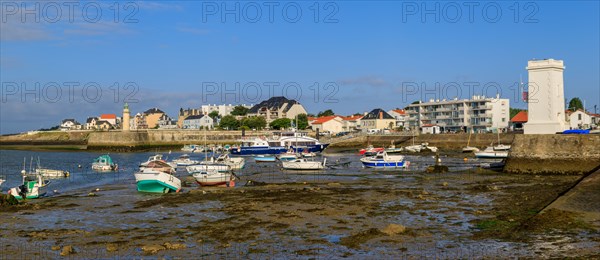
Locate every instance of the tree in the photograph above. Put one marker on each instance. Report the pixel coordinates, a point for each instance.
(575, 104)
(281, 123)
(327, 112)
(255, 122)
(239, 111)
(302, 121)
(229, 122)
(311, 115)
(213, 114)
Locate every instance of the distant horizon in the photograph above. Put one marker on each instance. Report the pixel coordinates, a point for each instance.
(350, 57)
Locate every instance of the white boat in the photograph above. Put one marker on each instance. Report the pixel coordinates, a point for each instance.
(157, 157)
(104, 164)
(213, 177)
(413, 148)
(501, 147)
(236, 163)
(190, 148)
(489, 152)
(49, 173)
(288, 156)
(158, 166)
(184, 160)
(208, 166)
(154, 181)
(384, 160)
(469, 149)
(34, 186)
(303, 164)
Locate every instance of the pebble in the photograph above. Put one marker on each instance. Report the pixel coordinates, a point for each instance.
(445, 184)
(394, 229)
(67, 250)
(55, 248)
(152, 249)
(111, 248)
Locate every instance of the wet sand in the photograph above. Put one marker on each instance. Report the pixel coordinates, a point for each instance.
(470, 214)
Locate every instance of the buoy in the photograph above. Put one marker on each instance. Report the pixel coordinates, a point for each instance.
(465, 159)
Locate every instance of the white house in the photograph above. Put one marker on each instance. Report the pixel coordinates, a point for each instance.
(90, 123)
(165, 122)
(400, 116)
(197, 121)
(430, 129)
(352, 123)
(70, 124)
(224, 110)
(579, 119)
(331, 124)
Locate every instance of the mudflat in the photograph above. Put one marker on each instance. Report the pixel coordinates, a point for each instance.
(470, 214)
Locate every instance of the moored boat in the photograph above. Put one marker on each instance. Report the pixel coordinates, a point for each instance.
(288, 156)
(264, 158)
(155, 181)
(304, 164)
(49, 173)
(236, 163)
(184, 160)
(213, 177)
(207, 166)
(370, 150)
(158, 166)
(33, 187)
(384, 160)
(279, 143)
(489, 152)
(156, 157)
(104, 164)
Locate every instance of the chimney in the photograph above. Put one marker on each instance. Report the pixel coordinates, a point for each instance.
(380, 114)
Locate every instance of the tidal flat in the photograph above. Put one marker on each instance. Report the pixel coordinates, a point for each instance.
(363, 214)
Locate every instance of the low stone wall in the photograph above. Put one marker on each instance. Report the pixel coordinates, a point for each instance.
(444, 141)
(554, 154)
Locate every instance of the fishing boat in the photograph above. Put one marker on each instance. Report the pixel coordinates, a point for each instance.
(104, 164)
(184, 160)
(156, 157)
(384, 160)
(303, 164)
(204, 166)
(370, 150)
(236, 163)
(49, 173)
(469, 149)
(158, 166)
(279, 143)
(213, 177)
(489, 152)
(155, 181)
(34, 186)
(264, 158)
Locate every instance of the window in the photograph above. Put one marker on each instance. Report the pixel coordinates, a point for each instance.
(503, 119)
(579, 116)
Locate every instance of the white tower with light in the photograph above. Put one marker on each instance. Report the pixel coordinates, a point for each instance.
(546, 97)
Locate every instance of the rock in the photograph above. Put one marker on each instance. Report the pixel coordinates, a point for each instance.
(112, 248)
(55, 248)
(91, 194)
(445, 184)
(175, 246)
(152, 249)
(424, 192)
(394, 229)
(334, 184)
(8, 200)
(67, 250)
(420, 197)
(494, 187)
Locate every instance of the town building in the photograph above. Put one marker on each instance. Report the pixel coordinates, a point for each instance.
(377, 119)
(546, 98)
(330, 124)
(277, 107)
(198, 121)
(400, 116)
(138, 122)
(478, 114)
(352, 123)
(431, 129)
(184, 113)
(579, 119)
(104, 125)
(70, 124)
(223, 110)
(165, 122)
(90, 123)
(518, 121)
(152, 117)
(110, 118)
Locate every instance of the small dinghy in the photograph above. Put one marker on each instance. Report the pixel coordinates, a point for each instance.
(214, 177)
(49, 173)
(104, 164)
(264, 158)
(303, 164)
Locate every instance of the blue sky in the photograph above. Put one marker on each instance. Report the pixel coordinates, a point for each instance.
(359, 55)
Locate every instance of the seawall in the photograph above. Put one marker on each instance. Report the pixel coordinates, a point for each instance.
(444, 141)
(554, 154)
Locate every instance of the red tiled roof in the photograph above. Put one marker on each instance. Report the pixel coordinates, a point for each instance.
(108, 116)
(350, 118)
(400, 111)
(520, 117)
(322, 119)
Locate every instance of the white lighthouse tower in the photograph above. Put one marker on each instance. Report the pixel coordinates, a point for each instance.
(546, 97)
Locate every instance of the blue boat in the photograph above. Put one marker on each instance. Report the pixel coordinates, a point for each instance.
(383, 161)
(280, 143)
(262, 158)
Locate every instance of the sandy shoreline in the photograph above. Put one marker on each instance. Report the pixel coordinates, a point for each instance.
(360, 215)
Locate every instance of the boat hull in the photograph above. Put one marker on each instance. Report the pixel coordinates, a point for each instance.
(157, 182)
(382, 164)
(35, 191)
(302, 166)
(257, 150)
(213, 179)
(492, 155)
